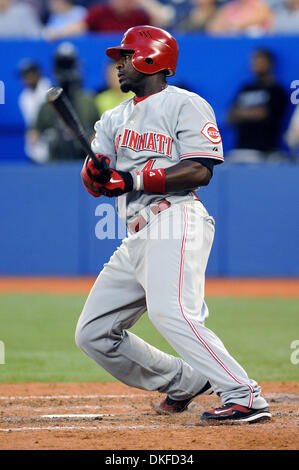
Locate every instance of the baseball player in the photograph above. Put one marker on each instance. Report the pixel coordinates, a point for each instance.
(157, 149)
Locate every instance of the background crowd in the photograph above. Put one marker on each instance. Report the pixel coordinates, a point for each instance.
(256, 114)
(62, 18)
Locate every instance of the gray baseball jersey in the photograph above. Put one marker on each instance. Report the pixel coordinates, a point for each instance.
(157, 132)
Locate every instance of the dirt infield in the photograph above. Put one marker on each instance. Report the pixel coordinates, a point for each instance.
(214, 287)
(114, 416)
(105, 416)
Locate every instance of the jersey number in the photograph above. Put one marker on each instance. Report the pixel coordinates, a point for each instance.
(148, 166)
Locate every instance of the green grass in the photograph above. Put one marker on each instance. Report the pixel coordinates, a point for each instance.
(38, 333)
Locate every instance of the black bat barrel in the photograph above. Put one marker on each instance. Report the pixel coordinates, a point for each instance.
(63, 107)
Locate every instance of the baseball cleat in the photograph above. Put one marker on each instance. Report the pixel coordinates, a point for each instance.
(233, 412)
(169, 406)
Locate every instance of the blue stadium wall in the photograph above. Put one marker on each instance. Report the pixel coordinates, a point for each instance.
(48, 221)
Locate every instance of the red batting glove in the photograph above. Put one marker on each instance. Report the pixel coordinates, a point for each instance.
(90, 175)
(120, 182)
(98, 171)
(93, 188)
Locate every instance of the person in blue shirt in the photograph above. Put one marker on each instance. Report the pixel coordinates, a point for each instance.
(63, 13)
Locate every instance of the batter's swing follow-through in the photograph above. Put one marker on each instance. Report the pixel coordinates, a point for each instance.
(159, 148)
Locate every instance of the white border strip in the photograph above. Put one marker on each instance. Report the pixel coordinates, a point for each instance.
(71, 407)
(76, 416)
(68, 397)
(94, 428)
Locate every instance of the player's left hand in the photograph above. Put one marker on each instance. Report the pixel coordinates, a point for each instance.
(97, 170)
(88, 179)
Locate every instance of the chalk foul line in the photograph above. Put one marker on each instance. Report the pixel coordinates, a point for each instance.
(75, 397)
(93, 428)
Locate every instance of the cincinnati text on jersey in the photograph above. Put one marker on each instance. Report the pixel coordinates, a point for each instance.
(153, 141)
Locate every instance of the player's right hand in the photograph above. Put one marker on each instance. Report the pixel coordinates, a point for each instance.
(93, 177)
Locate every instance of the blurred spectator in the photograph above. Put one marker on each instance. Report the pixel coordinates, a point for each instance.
(174, 12)
(115, 15)
(34, 93)
(88, 3)
(112, 96)
(39, 6)
(30, 101)
(61, 144)
(18, 20)
(252, 17)
(63, 13)
(182, 9)
(200, 16)
(161, 15)
(286, 18)
(292, 133)
(257, 113)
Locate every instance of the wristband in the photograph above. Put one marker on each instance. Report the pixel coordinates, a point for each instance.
(137, 180)
(154, 181)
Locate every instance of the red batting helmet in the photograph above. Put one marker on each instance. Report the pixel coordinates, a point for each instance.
(154, 49)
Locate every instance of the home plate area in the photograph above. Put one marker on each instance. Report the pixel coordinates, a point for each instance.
(85, 416)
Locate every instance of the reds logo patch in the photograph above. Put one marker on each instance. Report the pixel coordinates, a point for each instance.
(211, 132)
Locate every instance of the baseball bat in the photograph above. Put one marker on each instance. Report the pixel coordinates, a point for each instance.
(63, 107)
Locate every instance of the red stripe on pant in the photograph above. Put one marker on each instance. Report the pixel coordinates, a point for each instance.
(213, 354)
